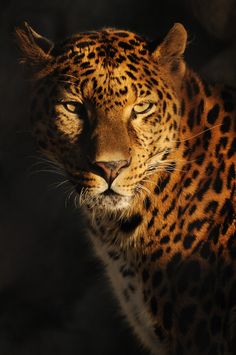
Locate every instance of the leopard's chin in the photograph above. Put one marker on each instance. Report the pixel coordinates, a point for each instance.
(109, 201)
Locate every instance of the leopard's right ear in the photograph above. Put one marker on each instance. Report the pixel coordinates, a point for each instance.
(35, 48)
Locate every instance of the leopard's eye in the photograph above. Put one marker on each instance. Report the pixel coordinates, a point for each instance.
(143, 107)
(75, 107)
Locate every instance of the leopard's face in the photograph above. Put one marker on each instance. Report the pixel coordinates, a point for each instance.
(107, 114)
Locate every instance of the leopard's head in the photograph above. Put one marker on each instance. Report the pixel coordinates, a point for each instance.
(105, 108)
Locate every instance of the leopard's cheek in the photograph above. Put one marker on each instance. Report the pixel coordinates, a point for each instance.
(69, 128)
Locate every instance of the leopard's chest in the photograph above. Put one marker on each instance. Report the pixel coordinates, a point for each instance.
(127, 286)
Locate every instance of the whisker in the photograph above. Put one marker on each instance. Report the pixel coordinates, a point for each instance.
(198, 134)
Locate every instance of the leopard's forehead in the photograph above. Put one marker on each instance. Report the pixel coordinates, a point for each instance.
(104, 63)
(105, 46)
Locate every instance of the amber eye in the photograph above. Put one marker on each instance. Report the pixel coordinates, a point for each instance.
(75, 107)
(142, 108)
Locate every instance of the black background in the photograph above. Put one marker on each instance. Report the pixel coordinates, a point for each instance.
(54, 298)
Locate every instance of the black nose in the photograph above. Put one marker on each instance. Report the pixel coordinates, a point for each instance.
(109, 170)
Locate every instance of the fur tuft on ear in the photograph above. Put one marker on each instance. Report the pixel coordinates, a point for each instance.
(35, 48)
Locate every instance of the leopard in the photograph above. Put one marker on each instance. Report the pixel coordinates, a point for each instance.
(149, 148)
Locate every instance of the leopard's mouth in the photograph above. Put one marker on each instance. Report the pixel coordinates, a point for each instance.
(111, 193)
(108, 200)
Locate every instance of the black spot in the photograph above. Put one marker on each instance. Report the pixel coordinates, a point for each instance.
(124, 45)
(122, 34)
(147, 71)
(133, 58)
(91, 55)
(196, 224)
(168, 316)
(85, 65)
(151, 223)
(131, 75)
(157, 233)
(132, 67)
(162, 184)
(85, 44)
(165, 239)
(157, 278)
(153, 305)
(191, 117)
(214, 233)
(195, 86)
(160, 95)
(154, 81)
(126, 271)
(88, 72)
(172, 227)
(155, 212)
(213, 114)
(174, 108)
(201, 192)
(114, 255)
(200, 159)
(147, 203)
(120, 60)
(211, 206)
(218, 183)
(187, 182)
(130, 224)
(186, 318)
(232, 149)
(192, 209)
(142, 51)
(200, 110)
(170, 209)
(230, 175)
(209, 169)
(156, 254)
(206, 138)
(225, 127)
(188, 241)
(177, 238)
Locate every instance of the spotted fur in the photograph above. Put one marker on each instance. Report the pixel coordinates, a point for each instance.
(150, 151)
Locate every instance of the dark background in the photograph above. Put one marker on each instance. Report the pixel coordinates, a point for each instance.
(54, 298)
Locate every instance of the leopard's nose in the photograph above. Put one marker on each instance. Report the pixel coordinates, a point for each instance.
(109, 170)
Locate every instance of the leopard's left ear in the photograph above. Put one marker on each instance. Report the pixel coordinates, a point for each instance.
(171, 50)
(35, 49)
